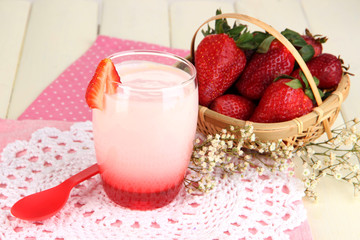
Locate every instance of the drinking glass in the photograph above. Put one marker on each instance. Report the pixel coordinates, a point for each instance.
(144, 135)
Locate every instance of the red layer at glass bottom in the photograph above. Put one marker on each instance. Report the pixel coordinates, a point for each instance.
(141, 201)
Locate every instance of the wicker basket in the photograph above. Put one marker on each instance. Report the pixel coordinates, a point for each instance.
(295, 132)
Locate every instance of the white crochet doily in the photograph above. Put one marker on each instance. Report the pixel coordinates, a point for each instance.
(238, 208)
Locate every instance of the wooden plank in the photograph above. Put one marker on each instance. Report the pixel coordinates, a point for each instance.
(280, 14)
(143, 20)
(59, 31)
(186, 17)
(12, 35)
(339, 24)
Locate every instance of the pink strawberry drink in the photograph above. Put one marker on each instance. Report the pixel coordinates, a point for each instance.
(144, 135)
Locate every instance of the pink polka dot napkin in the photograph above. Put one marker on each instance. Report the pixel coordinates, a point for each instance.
(64, 98)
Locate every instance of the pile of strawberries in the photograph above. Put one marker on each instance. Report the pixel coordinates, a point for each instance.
(252, 76)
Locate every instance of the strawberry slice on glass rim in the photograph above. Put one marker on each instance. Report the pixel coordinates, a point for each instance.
(104, 80)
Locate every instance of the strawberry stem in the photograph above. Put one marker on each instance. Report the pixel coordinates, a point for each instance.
(243, 38)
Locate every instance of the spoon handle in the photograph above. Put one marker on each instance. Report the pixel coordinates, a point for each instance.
(83, 175)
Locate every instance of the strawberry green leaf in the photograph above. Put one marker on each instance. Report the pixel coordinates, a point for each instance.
(219, 26)
(307, 52)
(265, 45)
(294, 37)
(306, 82)
(245, 41)
(295, 84)
(316, 80)
(219, 23)
(235, 32)
(284, 76)
(209, 31)
(304, 79)
(310, 94)
(259, 37)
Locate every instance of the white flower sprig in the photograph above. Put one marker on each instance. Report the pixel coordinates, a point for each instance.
(237, 149)
(337, 157)
(233, 151)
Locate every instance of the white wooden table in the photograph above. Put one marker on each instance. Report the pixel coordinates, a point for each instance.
(40, 38)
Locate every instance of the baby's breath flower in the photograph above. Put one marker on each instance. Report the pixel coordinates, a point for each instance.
(317, 165)
(322, 174)
(306, 172)
(260, 170)
(298, 153)
(338, 176)
(247, 157)
(242, 132)
(355, 167)
(272, 147)
(310, 151)
(353, 129)
(313, 184)
(230, 166)
(312, 176)
(250, 128)
(201, 152)
(252, 137)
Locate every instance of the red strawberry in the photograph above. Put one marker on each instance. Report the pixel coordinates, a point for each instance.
(233, 106)
(219, 63)
(105, 79)
(315, 41)
(326, 67)
(263, 68)
(283, 100)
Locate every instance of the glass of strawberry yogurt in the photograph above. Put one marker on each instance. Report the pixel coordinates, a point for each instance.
(145, 131)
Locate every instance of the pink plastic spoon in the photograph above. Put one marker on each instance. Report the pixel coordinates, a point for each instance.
(44, 204)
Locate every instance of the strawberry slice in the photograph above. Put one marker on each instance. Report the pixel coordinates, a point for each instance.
(105, 79)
